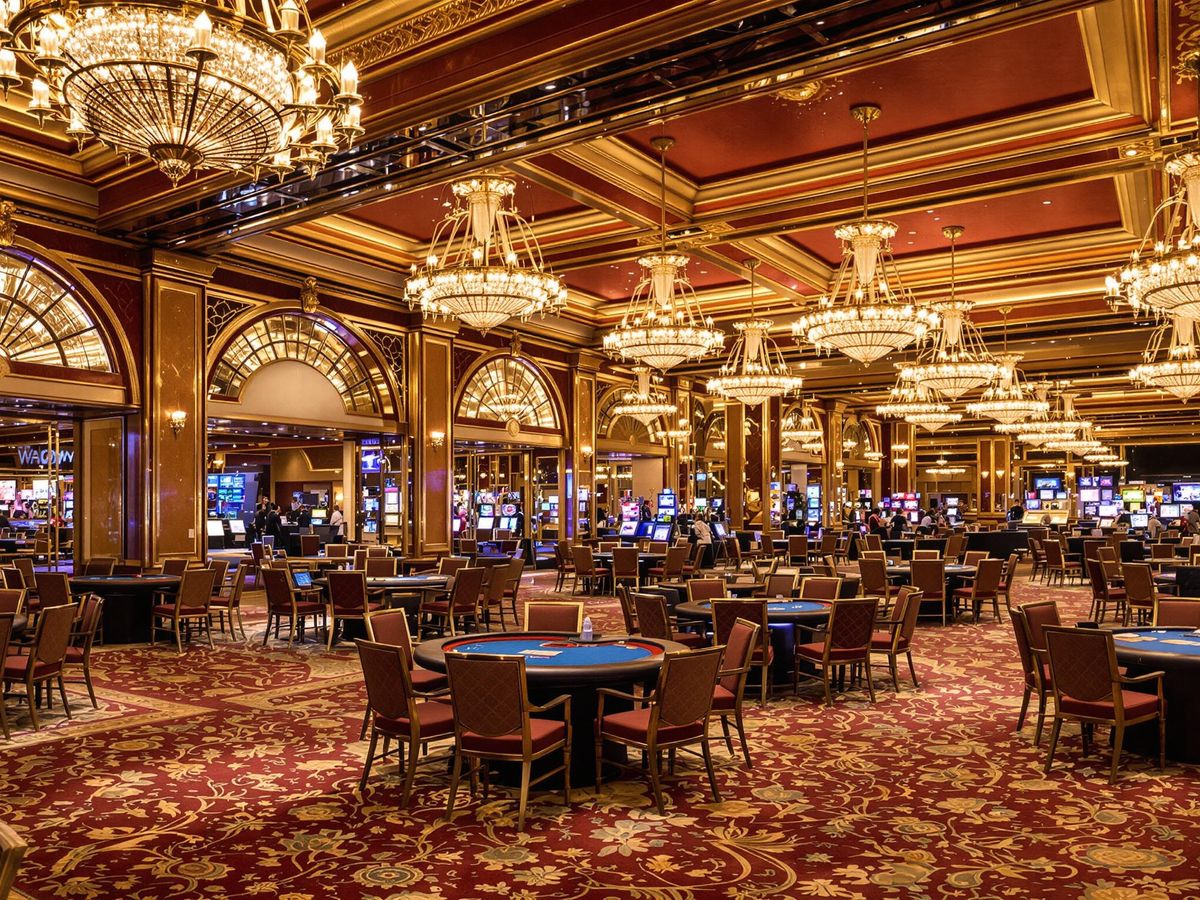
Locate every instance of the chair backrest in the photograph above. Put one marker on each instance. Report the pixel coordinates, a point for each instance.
(348, 592)
(360, 558)
(337, 551)
(390, 626)
(625, 562)
(1176, 612)
(1162, 551)
(954, 545)
(929, 576)
(1096, 578)
(24, 565)
(975, 557)
(220, 568)
(175, 566)
(628, 613)
(987, 577)
(450, 565)
(257, 551)
(279, 590)
(819, 587)
(377, 551)
(1091, 548)
(873, 554)
(389, 685)
(6, 627)
(1083, 662)
(513, 572)
(608, 546)
(554, 615)
(195, 590)
(740, 643)
(779, 585)
(12, 578)
(1040, 616)
(874, 542)
(53, 635)
(582, 556)
(489, 693)
(927, 554)
(797, 545)
(1054, 552)
(1139, 583)
(829, 542)
(830, 565)
(12, 601)
(1106, 554)
(1010, 569)
(908, 608)
(99, 565)
(873, 573)
(12, 849)
(685, 686)
(653, 619)
(238, 584)
(699, 589)
(381, 568)
(1110, 570)
(658, 546)
(727, 612)
(468, 582)
(53, 588)
(851, 623)
(1021, 633)
(310, 544)
(468, 545)
(90, 611)
(675, 561)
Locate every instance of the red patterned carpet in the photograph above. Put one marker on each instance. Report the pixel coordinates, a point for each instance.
(232, 773)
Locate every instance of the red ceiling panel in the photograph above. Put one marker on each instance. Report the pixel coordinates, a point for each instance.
(1077, 207)
(616, 282)
(1032, 67)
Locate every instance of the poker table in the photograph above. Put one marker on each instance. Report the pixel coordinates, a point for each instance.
(1183, 581)
(953, 572)
(575, 668)
(903, 547)
(1175, 651)
(676, 591)
(128, 600)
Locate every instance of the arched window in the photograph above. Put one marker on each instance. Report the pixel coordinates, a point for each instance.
(623, 428)
(505, 388)
(42, 318)
(298, 338)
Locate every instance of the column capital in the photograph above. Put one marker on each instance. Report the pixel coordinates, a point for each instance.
(448, 328)
(587, 360)
(178, 266)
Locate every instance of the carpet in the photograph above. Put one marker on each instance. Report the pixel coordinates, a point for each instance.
(232, 773)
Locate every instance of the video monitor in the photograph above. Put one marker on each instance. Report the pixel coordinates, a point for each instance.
(1139, 520)
(701, 502)
(237, 526)
(1133, 495)
(508, 509)
(320, 513)
(456, 525)
(1106, 495)
(487, 509)
(1106, 481)
(717, 503)
(301, 578)
(1089, 495)
(1047, 482)
(371, 460)
(486, 522)
(628, 528)
(1045, 495)
(508, 523)
(718, 530)
(1187, 493)
(1060, 495)
(215, 528)
(1110, 511)
(662, 532)
(1169, 511)
(1033, 504)
(392, 520)
(644, 530)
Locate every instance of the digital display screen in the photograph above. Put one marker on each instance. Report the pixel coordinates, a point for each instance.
(456, 526)
(1060, 495)
(8, 491)
(41, 489)
(237, 526)
(1044, 482)
(508, 509)
(1133, 495)
(1169, 510)
(372, 460)
(661, 533)
(485, 522)
(644, 530)
(320, 513)
(215, 528)
(508, 523)
(1184, 493)
(487, 509)
(1033, 504)
(1089, 495)
(718, 529)
(1109, 510)
(391, 519)
(1139, 520)
(628, 529)
(1031, 495)
(1045, 495)
(1106, 495)
(1106, 481)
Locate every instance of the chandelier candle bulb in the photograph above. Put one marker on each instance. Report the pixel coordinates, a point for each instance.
(349, 83)
(8, 64)
(202, 32)
(289, 17)
(316, 47)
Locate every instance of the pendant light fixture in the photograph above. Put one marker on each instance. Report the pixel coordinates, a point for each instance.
(644, 402)
(868, 312)
(1172, 363)
(663, 326)
(802, 427)
(1009, 400)
(913, 403)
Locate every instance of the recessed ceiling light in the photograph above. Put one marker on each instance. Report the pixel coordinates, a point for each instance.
(1046, 203)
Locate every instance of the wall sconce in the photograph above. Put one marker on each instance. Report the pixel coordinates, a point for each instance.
(839, 465)
(437, 438)
(900, 461)
(1000, 473)
(586, 450)
(177, 419)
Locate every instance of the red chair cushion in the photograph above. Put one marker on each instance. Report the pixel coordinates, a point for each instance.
(543, 733)
(165, 610)
(757, 658)
(723, 698)
(882, 640)
(435, 719)
(657, 570)
(635, 726)
(816, 652)
(689, 639)
(74, 655)
(1136, 704)
(15, 668)
(425, 681)
(309, 608)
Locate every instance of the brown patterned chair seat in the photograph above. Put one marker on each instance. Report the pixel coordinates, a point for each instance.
(543, 733)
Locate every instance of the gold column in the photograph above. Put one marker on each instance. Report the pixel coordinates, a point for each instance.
(98, 494)
(833, 478)
(173, 424)
(772, 455)
(993, 476)
(735, 463)
(580, 455)
(430, 395)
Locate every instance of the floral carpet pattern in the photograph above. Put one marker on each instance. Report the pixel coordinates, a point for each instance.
(233, 773)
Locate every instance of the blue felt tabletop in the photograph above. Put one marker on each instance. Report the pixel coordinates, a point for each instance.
(1159, 640)
(577, 654)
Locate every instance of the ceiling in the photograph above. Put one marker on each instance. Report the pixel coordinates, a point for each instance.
(1034, 125)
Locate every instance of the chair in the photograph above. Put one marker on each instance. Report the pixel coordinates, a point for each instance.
(986, 586)
(1006, 583)
(398, 710)
(360, 559)
(12, 579)
(53, 589)
(929, 577)
(1038, 557)
(447, 565)
(564, 565)
(954, 546)
(378, 567)
(12, 850)
(974, 557)
(1058, 564)
(99, 565)
(777, 586)
(797, 550)
(625, 566)
(190, 607)
(741, 644)
(1160, 553)
(1089, 688)
(461, 600)
(927, 554)
(230, 604)
(1176, 612)
(672, 567)
(586, 571)
(282, 604)
(654, 621)
(6, 629)
(390, 626)
(175, 566)
(12, 601)
(628, 611)
(820, 587)
(898, 634)
(554, 615)
(1035, 669)
(701, 589)
(43, 664)
(1140, 593)
(221, 568)
(725, 614)
(310, 544)
(337, 551)
(1103, 593)
(512, 584)
(378, 551)
(83, 635)
(875, 582)
(673, 717)
(873, 542)
(347, 600)
(492, 720)
(847, 642)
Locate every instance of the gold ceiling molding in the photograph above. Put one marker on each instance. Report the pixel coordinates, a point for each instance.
(422, 27)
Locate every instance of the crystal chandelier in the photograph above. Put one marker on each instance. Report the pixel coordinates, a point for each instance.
(663, 326)
(1101, 455)
(873, 455)
(912, 403)
(943, 468)
(1171, 361)
(1062, 424)
(868, 312)
(680, 433)
(643, 402)
(1080, 446)
(957, 361)
(801, 428)
(211, 84)
(1008, 401)
(484, 265)
(900, 454)
(755, 371)
(509, 405)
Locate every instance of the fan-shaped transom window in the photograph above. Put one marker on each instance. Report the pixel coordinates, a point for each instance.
(312, 341)
(42, 318)
(507, 388)
(624, 428)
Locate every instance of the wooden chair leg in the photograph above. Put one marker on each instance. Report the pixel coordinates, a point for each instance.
(728, 735)
(524, 798)
(911, 669)
(62, 692)
(655, 786)
(825, 677)
(362, 782)
(410, 772)
(1024, 707)
(1054, 731)
(29, 694)
(712, 775)
(87, 680)
(741, 730)
(599, 760)
(1118, 740)
(178, 636)
(455, 774)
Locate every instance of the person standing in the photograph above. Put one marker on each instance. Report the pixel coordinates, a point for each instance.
(704, 538)
(273, 525)
(1193, 521)
(1154, 527)
(260, 519)
(338, 522)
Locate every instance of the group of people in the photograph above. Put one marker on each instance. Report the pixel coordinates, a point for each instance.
(894, 525)
(269, 521)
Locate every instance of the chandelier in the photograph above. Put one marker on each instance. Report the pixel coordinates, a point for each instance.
(900, 454)
(681, 432)
(755, 371)
(484, 264)
(643, 402)
(873, 455)
(868, 312)
(1173, 364)
(1080, 446)
(943, 468)
(1009, 400)
(210, 84)
(957, 361)
(663, 326)
(1102, 455)
(912, 403)
(509, 405)
(801, 428)
(1062, 424)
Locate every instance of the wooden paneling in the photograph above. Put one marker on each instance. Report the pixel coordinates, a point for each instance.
(101, 501)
